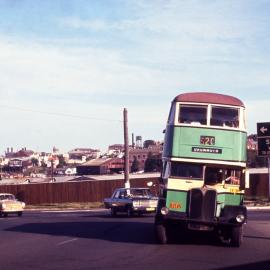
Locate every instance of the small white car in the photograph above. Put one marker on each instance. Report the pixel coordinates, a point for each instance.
(10, 205)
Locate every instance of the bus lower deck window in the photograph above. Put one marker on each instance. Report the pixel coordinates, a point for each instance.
(186, 170)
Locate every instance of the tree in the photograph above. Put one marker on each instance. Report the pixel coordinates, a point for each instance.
(135, 165)
(153, 163)
(148, 143)
(34, 162)
(62, 162)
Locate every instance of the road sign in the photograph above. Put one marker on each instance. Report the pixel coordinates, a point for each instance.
(264, 146)
(263, 129)
(263, 136)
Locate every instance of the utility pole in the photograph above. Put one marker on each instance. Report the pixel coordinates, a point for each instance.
(52, 170)
(127, 183)
(268, 159)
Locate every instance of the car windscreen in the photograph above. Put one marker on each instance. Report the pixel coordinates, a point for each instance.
(140, 192)
(7, 197)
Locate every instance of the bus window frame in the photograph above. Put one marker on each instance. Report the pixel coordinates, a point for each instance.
(178, 116)
(241, 116)
(227, 175)
(186, 177)
(227, 123)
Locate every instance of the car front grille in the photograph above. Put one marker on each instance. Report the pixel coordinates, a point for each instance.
(145, 203)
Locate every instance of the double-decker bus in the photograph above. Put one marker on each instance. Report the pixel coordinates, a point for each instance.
(204, 167)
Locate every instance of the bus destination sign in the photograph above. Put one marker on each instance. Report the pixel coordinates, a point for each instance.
(207, 150)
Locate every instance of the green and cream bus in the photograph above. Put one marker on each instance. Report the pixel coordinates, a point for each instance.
(204, 167)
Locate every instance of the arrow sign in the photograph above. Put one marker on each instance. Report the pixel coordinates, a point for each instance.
(263, 129)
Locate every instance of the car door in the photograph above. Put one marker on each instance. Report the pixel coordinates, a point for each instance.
(123, 201)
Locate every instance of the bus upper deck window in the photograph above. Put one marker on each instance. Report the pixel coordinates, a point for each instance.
(189, 114)
(225, 117)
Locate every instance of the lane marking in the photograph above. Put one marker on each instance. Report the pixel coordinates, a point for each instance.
(71, 211)
(67, 241)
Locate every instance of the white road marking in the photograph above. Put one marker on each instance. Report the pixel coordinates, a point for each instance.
(73, 211)
(67, 241)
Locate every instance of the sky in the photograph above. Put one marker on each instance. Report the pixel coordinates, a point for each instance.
(68, 68)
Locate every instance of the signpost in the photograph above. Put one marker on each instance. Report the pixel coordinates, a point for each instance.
(263, 136)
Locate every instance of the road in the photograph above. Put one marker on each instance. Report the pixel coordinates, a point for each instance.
(94, 240)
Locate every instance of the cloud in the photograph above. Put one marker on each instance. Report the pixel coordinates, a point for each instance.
(35, 69)
(257, 111)
(98, 25)
(93, 65)
(193, 19)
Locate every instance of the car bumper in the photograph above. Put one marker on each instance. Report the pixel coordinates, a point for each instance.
(144, 209)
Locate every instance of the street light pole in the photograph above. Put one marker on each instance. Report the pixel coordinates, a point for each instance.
(126, 143)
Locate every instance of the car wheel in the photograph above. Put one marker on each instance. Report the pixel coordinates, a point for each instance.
(236, 236)
(129, 212)
(113, 212)
(5, 214)
(19, 214)
(161, 234)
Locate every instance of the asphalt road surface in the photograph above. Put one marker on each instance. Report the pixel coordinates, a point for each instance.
(94, 240)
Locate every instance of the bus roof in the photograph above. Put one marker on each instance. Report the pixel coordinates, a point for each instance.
(205, 97)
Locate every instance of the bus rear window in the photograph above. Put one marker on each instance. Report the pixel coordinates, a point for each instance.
(189, 114)
(226, 117)
(186, 170)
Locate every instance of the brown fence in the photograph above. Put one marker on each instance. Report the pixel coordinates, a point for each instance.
(258, 187)
(96, 191)
(86, 191)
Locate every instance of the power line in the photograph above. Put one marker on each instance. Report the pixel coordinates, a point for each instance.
(61, 114)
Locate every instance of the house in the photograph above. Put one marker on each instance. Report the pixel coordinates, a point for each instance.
(19, 164)
(101, 166)
(81, 155)
(141, 154)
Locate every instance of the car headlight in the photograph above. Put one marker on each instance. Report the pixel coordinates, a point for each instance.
(23, 204)
(4, 206)
(136, 203)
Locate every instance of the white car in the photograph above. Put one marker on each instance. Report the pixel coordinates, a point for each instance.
(10, 205)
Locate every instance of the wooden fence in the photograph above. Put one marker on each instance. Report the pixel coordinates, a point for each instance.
(96, 191)
(85, 191)
(258, 187)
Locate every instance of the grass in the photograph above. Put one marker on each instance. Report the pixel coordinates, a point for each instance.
(73, 205)
(257, 201)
